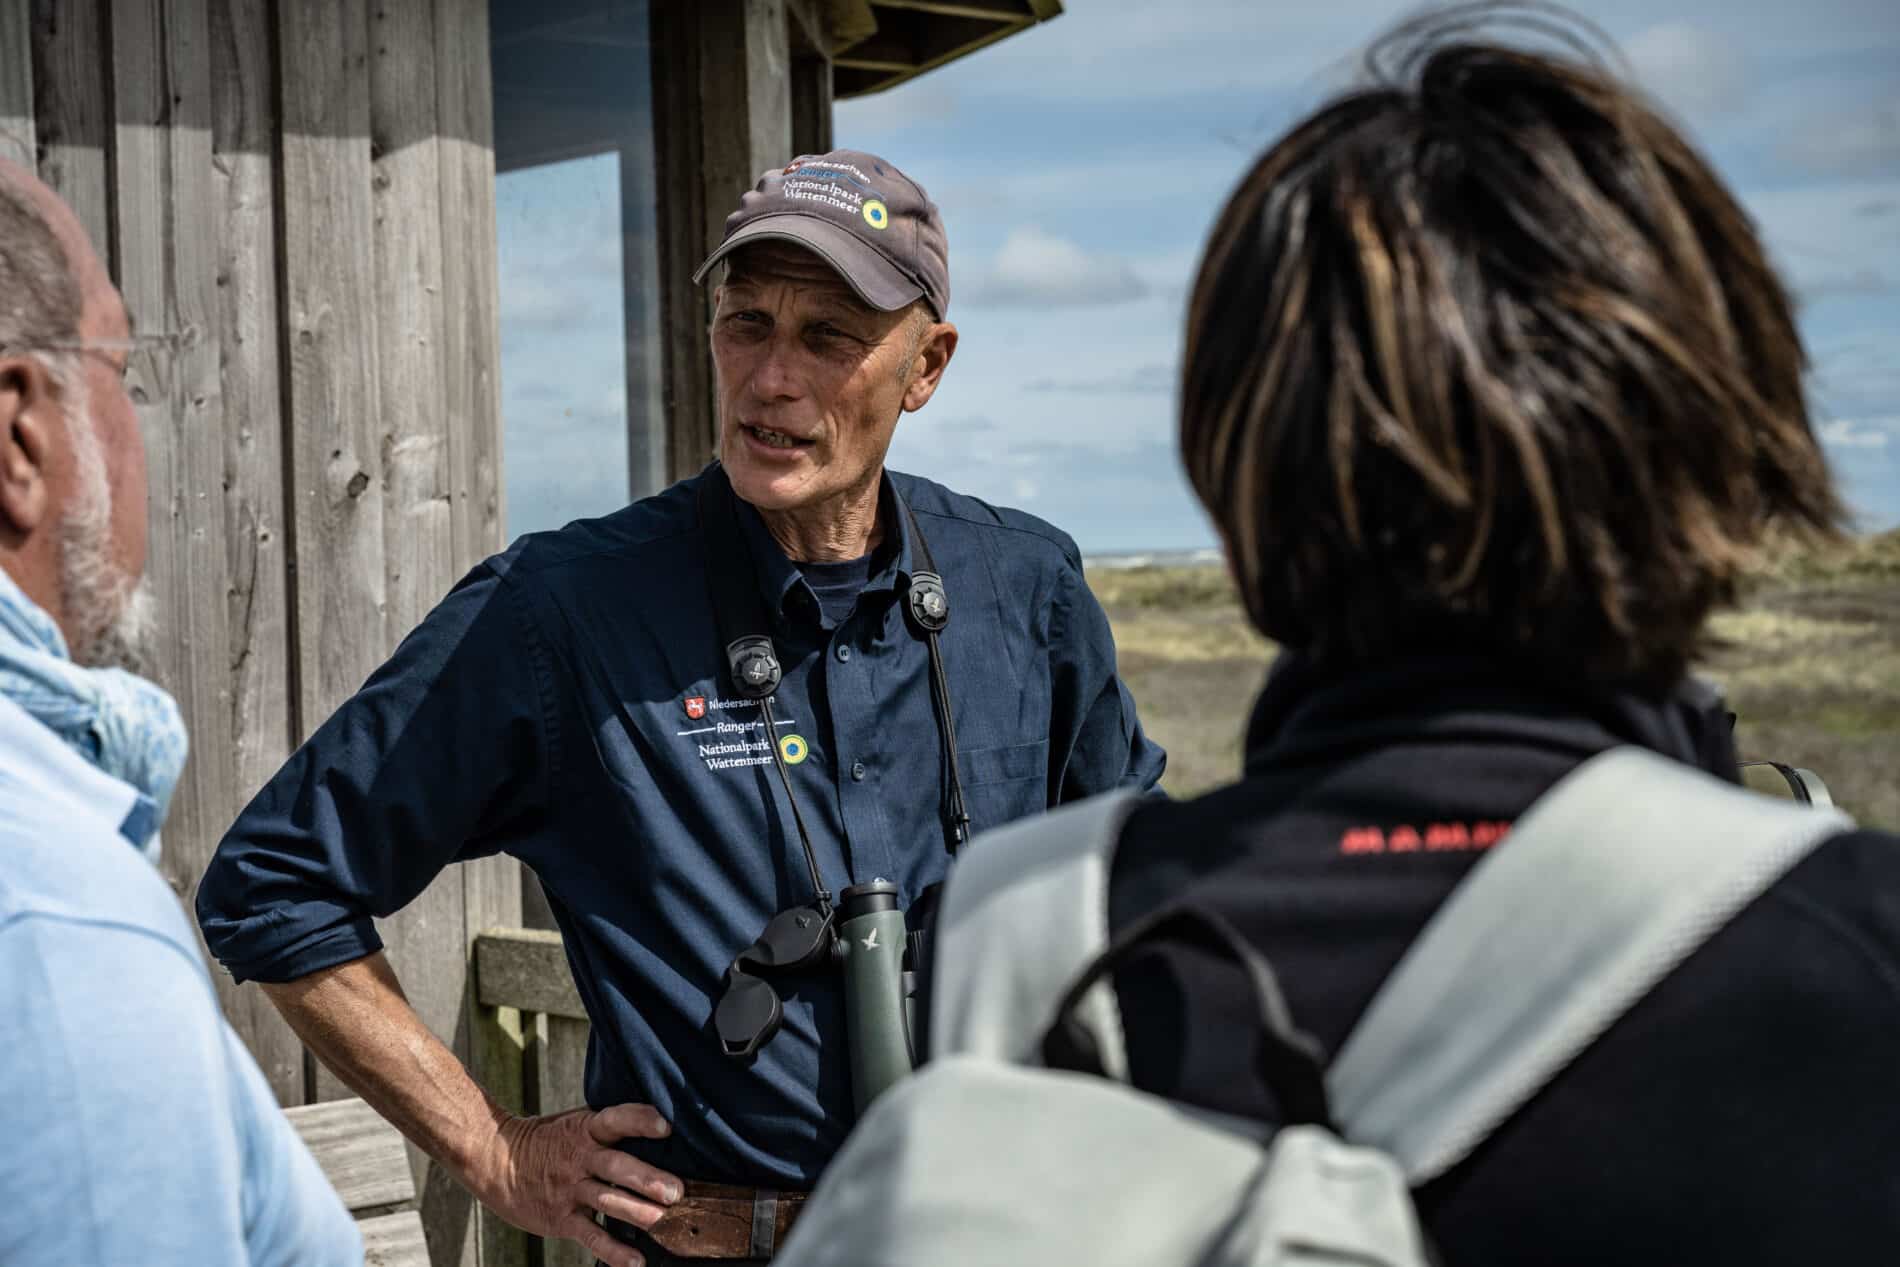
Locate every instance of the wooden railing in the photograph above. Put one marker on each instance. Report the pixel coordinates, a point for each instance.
(530, 1052)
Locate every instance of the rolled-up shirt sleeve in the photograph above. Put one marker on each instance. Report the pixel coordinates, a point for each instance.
(1096, 741)
(443, 755)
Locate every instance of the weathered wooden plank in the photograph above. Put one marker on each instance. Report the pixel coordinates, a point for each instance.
(497, 1049)
(562, 1070)
(721, 115)
(394, 1240)
(362, 1155)
(745, 88)
(811, 105)
(169, 232)
(257, 647)
(470, 294)
(641, 282)
(336, 461)
(18, 140)
(680, 213)
(72, 108)
(526, 968)
(427, 941)
(336, 506)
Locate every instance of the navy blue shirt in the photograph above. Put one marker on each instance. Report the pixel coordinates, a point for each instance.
(568, 704)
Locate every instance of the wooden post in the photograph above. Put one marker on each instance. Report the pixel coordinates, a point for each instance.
(180, 241)
(336, 510)
(242, 189)
(471, 346)
(721, 117)
(811, 104)
(72, 109)
(18, 140)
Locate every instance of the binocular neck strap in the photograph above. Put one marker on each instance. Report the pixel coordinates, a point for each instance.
(928, 619)
(751, 659)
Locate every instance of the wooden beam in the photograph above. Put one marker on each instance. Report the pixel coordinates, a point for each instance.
(395, 1240)
(471, 333)
(72, 110)
(336, 466)
(18, 140)
(811, 105)
(241, 183)
(562, 1075)
(329, 289)
(427, 940)
(1019, 11)
(918, 35)
(526, 968)
(642, 278)
(720, 118)
(361, 1155)
(678, 117)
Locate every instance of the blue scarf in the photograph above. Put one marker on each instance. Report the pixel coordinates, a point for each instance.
(121, 723)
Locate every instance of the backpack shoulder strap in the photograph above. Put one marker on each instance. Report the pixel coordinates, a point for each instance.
(1604, 887)
(1023, 913)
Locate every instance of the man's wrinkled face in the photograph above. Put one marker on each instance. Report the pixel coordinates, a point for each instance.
(811, 380)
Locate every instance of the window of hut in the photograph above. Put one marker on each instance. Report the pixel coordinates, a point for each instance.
(583, 429)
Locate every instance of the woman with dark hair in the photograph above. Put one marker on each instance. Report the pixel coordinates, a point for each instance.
(1494, 396)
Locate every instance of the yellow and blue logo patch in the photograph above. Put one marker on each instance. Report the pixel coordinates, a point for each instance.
(876, 214)
(794, 749)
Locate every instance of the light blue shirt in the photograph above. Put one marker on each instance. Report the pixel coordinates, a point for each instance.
(135, 1127)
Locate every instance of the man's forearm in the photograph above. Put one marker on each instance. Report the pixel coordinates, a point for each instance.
(357, 1020)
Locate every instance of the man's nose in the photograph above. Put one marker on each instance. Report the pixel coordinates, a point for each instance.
(775, 376)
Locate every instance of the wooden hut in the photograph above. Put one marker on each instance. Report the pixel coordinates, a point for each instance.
(303, 194)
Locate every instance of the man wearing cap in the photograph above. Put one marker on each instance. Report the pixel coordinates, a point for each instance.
(573, 703)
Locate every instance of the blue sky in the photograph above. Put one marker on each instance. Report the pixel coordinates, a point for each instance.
(1079, 166)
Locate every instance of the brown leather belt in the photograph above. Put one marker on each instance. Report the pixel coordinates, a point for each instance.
(716, 1220)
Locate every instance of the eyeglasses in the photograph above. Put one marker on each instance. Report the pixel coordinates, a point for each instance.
(152, 345)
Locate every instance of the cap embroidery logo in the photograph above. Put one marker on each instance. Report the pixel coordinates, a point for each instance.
(696, 707)
(876, 215)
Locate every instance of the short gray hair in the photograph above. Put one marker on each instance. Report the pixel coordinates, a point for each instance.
(39, 297)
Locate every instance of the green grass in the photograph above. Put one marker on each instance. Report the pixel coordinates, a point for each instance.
(1810, 661)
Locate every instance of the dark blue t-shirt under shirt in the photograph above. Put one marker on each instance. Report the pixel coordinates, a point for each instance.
(836, 586)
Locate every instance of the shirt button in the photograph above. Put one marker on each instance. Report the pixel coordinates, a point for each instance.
(857, 771)
(844, 652)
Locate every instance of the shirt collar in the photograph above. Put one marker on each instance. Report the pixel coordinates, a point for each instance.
(779, 577)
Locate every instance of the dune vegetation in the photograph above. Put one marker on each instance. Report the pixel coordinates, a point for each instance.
(1810, 660)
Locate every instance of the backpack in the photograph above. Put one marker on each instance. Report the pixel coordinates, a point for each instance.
(1020, 1142)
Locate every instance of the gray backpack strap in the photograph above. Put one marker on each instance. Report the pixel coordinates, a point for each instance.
(1605, 886)
(1023, 913)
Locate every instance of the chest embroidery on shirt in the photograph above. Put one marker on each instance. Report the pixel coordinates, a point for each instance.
(730, 733)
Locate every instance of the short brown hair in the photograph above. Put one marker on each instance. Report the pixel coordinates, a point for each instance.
(1484, 354)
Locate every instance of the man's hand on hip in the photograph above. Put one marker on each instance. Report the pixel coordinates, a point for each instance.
(549, 1175)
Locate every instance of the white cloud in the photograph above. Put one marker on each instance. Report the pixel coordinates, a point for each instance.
(1861, 281)
(1038, 269)
(1695, 70)
(1157, 378)
(1862, 141)
(1867, 433)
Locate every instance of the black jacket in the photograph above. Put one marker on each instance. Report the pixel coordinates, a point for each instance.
(1746, 1112)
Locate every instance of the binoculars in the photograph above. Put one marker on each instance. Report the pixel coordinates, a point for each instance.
(867, 940)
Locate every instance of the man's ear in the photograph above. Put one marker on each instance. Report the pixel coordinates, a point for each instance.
(934, 351)
(30, 414)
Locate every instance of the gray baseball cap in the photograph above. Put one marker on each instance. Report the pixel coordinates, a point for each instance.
(868, 220)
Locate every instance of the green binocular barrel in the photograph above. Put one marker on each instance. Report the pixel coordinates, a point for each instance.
(877, 1013)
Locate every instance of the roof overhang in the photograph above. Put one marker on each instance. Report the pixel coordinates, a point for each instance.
(877, 44)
